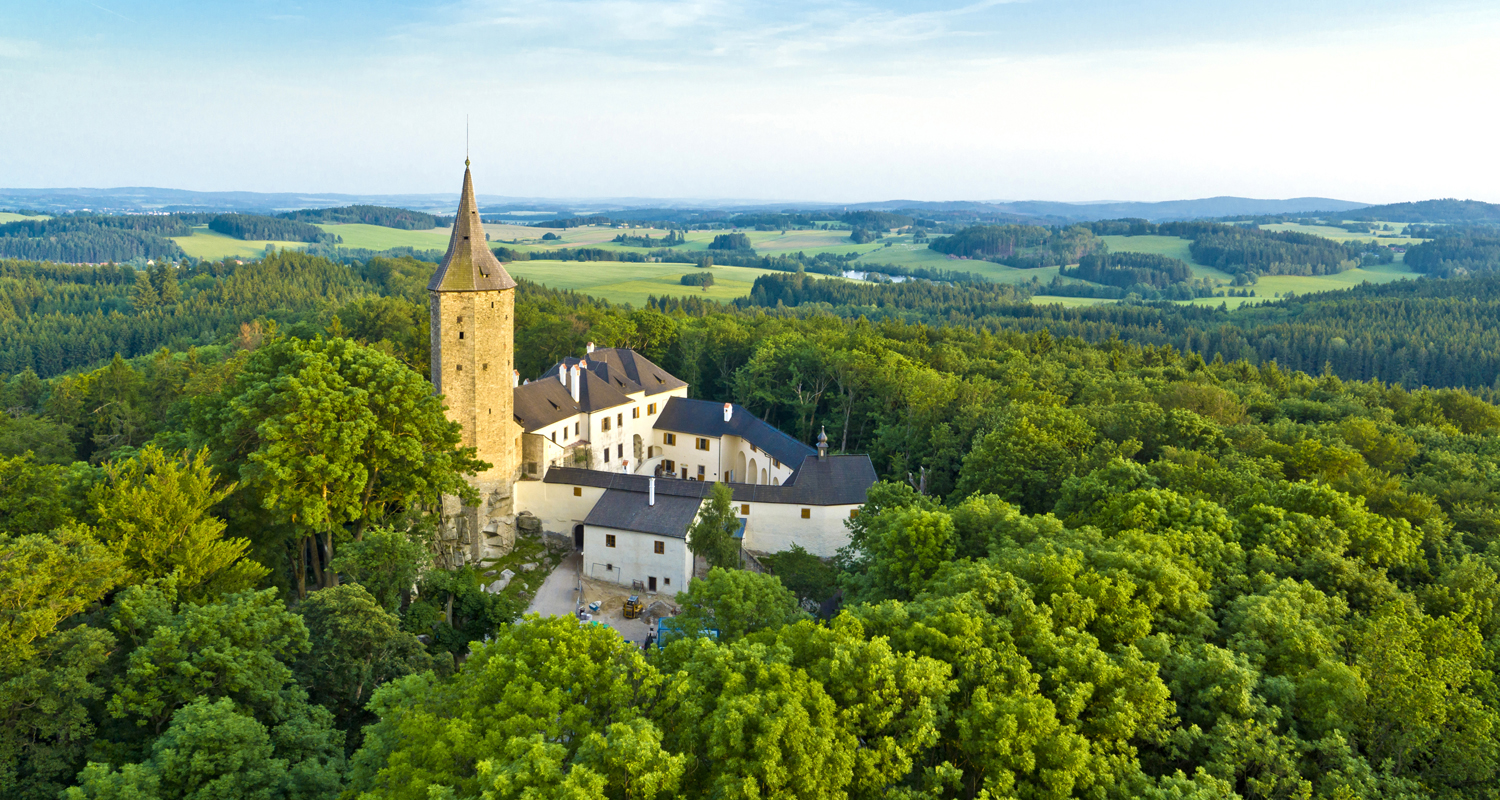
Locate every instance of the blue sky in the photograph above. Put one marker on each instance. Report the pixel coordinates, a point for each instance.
(841, 101)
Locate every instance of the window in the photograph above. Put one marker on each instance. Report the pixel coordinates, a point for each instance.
(661, 548)
(554, 437)
(651, 409)
(575, 429)
(775, 463)
(578, 491)
(531, 468)
(669, 438)
(486, 367)
(635, 413)
(668, 465)
(666, 581)
(807, 513)
(609, 540)
(460, 334)
(702, 470)
(604, 424)
(460, 320)
(606, 454)
(744, 509)
(460, 368)
(702, 443)
(620, 419)
(619, 451)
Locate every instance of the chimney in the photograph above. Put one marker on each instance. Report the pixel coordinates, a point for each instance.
(562, 374)
(650, 491)
(515, 378)
(728, 411)
(591, 347)
(822, 443)
(573, 381)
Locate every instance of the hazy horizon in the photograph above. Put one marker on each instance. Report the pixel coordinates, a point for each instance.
(1053, 100)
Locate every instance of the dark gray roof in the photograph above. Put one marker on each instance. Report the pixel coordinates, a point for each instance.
(541, 403)
(628, 511)
(625, 370)
(469, 265)
(545, 400)
(829, 481)
(706, 418)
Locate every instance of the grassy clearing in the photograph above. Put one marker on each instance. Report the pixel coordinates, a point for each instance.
(6, 216)
(1341, 235)
(1069, 302)
(207, 244)
(375, 237)
(622, 282)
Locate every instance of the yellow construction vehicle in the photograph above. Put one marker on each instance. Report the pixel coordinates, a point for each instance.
(634, 607)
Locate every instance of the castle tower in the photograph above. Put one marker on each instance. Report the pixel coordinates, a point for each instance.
(473, 339)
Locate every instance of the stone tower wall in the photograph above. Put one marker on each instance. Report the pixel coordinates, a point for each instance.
(473, 372)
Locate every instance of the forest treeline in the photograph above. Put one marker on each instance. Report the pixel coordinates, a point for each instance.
(1095, 570)
(1131, 269)
(257, 227)
(1433, 333)
(1236, 249)
(399, 218)
(94, 239)
(1456, 253)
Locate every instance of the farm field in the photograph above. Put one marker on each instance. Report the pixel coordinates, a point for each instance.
(6, 216)
(207, 244)
(1068, 302)
(622, 282)
(375, 237)
(1341, 235)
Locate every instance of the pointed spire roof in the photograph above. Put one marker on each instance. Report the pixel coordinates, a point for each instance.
(470, 265)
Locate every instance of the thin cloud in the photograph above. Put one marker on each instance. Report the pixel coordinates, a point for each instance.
(111, 11)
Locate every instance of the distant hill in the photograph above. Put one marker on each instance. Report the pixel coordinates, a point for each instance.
(1446, 210)
(135, 200)
(1048, 211)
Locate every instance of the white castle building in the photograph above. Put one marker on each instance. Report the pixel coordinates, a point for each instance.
(609, 449)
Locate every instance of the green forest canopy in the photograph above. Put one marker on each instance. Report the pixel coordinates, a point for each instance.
(1136, 572)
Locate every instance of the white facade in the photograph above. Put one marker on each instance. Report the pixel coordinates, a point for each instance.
(774, 527)
(626, 557)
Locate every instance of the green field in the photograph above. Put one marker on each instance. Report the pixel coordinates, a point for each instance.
(207, 244)
(375, 237)
(624, 282)
(1341, 235)
(1069, 302)
(6, 216)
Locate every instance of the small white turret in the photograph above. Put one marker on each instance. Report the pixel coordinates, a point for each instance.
(573, 378)
(591, 347)
(728, 411)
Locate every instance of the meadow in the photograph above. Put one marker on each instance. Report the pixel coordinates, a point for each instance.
(207, 244)
(625, 282)
(6, 216)
(1341, 235)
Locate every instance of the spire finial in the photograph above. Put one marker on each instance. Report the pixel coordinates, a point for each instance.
(466, 141)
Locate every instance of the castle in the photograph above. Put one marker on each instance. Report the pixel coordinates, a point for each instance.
(608, 448)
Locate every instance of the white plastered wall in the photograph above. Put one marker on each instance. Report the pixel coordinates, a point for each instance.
(634, 558)
(556, 505)
(774, 527)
